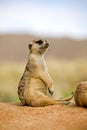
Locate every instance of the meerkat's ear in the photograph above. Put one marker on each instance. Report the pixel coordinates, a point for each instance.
(30, 46)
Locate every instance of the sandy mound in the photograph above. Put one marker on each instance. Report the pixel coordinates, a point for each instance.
(57, 117)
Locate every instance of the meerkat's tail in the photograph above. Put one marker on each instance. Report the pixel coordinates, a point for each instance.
(67, 99)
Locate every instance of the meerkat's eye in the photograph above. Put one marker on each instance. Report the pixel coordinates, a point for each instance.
(39, 42)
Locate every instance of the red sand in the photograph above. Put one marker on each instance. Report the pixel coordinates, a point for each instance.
(57, 117)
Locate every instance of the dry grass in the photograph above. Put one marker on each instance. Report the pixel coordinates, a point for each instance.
(9, 77)
(66, 75)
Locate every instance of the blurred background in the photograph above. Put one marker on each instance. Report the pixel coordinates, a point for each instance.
(63, 23)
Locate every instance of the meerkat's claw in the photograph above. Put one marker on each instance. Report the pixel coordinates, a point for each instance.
(51, 91)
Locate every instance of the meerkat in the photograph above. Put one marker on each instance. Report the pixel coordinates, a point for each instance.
(36, 82)
(80, 95)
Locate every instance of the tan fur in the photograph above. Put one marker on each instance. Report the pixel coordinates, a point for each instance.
(81, 94)
(36, 82)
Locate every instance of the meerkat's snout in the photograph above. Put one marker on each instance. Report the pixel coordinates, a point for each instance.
(46, 44)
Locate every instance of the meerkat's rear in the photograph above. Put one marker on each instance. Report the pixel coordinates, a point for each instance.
(36, 82)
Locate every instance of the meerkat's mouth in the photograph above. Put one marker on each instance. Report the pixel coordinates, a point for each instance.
(45, 46)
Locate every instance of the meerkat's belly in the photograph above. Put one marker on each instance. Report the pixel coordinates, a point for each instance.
(35, 85)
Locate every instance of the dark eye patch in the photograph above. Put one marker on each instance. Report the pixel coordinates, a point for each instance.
(39, 42)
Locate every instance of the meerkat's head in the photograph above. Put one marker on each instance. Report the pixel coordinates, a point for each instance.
(82, 86)
(38, 47)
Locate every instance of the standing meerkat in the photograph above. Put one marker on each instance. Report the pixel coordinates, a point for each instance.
(80, 95)
(36, 82)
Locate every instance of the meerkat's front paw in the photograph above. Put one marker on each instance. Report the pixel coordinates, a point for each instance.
(51, 90)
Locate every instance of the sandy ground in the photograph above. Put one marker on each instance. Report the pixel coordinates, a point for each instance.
(57, 117)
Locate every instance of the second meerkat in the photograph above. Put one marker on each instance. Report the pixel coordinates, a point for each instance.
(36, 82)
(80, 95)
